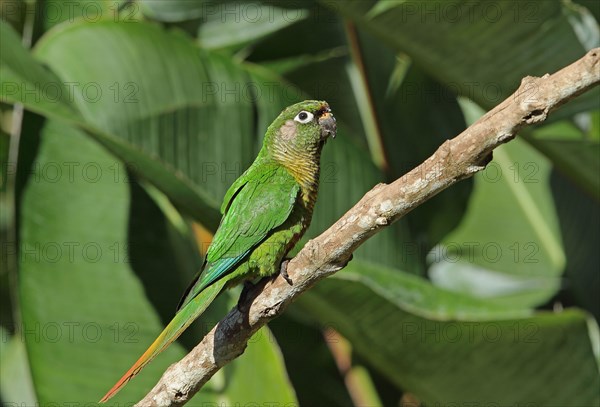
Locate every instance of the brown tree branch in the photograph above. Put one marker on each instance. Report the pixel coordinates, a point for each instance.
(454, 160)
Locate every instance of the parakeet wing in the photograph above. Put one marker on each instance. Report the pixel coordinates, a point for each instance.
(258, 202)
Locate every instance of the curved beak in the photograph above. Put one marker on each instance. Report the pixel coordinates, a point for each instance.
(327, 123)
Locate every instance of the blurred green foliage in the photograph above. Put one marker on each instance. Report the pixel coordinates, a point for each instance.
(138, 116)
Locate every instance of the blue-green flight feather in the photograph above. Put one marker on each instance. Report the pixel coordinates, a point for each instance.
(256, 207)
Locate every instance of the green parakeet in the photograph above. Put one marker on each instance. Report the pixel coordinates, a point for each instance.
(265, 213)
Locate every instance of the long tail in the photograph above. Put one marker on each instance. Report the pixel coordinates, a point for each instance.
(178, 324)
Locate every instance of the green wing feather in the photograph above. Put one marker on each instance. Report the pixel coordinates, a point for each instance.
(257, 203)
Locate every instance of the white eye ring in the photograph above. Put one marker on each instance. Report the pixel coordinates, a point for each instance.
(304, 117)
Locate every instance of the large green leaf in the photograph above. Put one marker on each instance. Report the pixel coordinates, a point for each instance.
(592, 6)
(54, 12)
(83, 309)
(305, 350)
(508, 246)
(443, 346)
(239, 24)
(24, 80)
(187, 110)
(260, 375)
(482, 49)
(574, 154)
(176, 10)
(579, 218)
(15, 379)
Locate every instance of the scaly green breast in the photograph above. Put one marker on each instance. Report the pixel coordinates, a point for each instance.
(265, 260)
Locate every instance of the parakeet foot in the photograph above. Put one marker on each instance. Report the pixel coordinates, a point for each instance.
(349, 259)
(250, 289)
(283, 271)
(246, 288)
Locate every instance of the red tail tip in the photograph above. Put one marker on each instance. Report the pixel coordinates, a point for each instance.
(115, 389)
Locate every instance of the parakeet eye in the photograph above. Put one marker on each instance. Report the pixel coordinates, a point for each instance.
(304, 117)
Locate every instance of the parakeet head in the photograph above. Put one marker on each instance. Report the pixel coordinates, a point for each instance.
(303, 127)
